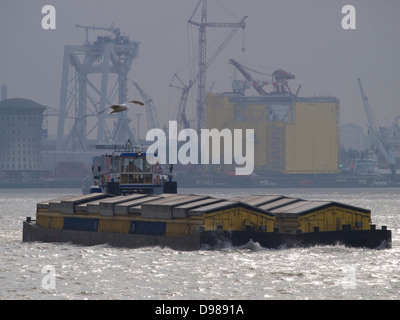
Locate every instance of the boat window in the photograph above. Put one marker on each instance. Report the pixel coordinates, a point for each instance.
(97, 163)
(124, 178)
(124, 165)
(136, 178)
(134, 165)
(138, 164)
(115, 164)
(147, 167)
(107, 164)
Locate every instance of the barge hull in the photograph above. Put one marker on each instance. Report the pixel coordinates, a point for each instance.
(33, 232)
(373, 239)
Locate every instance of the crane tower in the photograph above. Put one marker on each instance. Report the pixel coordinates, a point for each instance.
(203, 63)
(94, 76)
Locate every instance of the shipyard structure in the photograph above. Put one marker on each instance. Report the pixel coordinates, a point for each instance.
(296, 139)
(296, 142)
(292, 135)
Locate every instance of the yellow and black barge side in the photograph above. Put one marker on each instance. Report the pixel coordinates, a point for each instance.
(191, 222)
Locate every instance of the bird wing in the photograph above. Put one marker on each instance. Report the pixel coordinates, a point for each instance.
(120, 107)
(103, 111)
(116, 107)
(137, 102)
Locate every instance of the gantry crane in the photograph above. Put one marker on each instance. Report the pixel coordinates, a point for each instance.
(94, 75)
(203, 64)
(375, 133)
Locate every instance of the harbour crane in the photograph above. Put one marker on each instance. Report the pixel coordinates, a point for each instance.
(256, 84)
(396, 129)
(113, 30)
(151, 113)
(279, 80)
(181, 118)
(375, 134)
(203, 64)
(94, 76)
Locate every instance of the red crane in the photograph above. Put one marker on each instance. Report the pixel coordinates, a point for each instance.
(279, 80)
(256, 85)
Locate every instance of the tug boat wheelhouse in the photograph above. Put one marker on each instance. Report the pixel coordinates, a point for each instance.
(127, 171)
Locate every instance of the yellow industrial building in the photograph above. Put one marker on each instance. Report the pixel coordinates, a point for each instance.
(291, 135)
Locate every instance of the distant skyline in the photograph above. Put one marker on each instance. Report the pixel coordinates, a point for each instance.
(300, 36)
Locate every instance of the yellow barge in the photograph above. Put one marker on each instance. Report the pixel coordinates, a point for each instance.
(191, 222)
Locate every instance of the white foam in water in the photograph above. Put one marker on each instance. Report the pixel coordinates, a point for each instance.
(251, 245)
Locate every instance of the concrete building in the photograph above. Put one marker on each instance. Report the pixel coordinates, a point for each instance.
(20, 138)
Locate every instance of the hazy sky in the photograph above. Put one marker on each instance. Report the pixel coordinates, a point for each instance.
(304, 37)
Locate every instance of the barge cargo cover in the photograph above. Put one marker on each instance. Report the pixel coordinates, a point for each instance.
(191, 222)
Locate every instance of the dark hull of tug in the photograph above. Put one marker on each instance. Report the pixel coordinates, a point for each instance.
(374, 239)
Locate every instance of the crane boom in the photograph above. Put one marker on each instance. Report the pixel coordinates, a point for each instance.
(396, 131)
(200, 76)
(236, 27)
(202, 52)
(367, 108)
(388, 154)
(181, 118)
(151, 113)
(373, 131)
(248, 77)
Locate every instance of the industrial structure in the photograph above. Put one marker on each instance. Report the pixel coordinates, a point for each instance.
(202, 66)
(279, 81)
(94, 77)
(385, 140)
(151, 112)
(83, 94)
(284, 139)
(296, 137)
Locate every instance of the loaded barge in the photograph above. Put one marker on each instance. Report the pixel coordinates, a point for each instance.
(191, 222)
(133, 204)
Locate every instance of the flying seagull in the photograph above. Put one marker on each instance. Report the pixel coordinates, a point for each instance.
(121, 107)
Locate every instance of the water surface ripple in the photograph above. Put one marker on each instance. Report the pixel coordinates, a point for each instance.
(248, 272)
